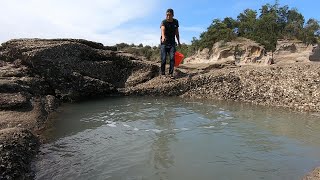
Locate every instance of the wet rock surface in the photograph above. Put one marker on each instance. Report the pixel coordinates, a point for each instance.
(313, 175)
(17, 148)
(13, 101)
(37, 75)
(293, 86)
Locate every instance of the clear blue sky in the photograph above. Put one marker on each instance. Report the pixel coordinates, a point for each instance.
(195, 16)
(129, 21)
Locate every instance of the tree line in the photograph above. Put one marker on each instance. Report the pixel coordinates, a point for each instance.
(266, 26)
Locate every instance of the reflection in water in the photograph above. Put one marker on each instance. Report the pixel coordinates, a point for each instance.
(162, 157)
(171, 138)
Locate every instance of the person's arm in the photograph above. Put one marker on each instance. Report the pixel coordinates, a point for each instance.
(177, 33)
(163, 37)
(178, 36)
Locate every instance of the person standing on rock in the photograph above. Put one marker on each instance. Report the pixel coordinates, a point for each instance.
(169, 31)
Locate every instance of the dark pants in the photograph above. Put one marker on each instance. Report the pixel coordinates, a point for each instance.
(171, 50)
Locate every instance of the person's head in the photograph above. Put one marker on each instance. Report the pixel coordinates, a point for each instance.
(169, 14)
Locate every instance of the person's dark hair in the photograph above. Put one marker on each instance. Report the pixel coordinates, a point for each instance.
(170, 11)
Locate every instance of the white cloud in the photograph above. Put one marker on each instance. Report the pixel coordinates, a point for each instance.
(134, 35)
(77, 19)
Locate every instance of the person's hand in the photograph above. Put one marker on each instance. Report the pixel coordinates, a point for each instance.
(163, 39)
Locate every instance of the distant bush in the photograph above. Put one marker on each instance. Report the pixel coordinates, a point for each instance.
(272, 23)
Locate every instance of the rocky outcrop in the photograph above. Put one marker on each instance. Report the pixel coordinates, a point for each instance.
(36, 75)
(293, 86)
(244, 51)
(292, 51)
(67, 69)
(314, 175)
(17, 148)
(315, 55)
(241, 51)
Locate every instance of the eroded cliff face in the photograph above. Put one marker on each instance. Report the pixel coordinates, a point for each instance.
(241, 51)
(292, 51)
(245, 52)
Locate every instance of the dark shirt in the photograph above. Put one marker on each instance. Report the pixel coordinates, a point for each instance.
(170, 31)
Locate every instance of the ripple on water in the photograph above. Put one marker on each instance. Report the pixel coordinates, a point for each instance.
(160, 138)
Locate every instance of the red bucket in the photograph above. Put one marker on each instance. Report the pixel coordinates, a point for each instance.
(178, 57)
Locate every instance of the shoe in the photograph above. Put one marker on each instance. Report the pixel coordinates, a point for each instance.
(162, 76)
(171, 76)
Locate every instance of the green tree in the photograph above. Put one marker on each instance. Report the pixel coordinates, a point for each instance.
(122, 46)
(311, 32)
(267, 27)
(247, 23)
(282, 19)
(294, 26)
(217, 31)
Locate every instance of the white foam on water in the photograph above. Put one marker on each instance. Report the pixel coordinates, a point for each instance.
(228, 117)
(87, 119)
(208, 127)
(219, 118)
(157, 130)
(112, 125)
(136, 129)
(176, 129)
(105, 117)
(112, 113)
(185, 129)
(147, 130)
(126, 125)
(109, 122)
(222, 112)
(224, 123)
